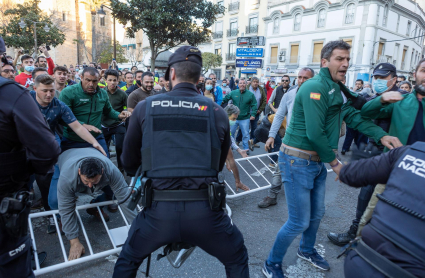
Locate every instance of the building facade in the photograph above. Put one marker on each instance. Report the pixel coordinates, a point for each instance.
(378, 31)
(68, 15)
(242, 18)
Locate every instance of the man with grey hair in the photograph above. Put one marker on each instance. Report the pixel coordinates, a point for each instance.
(284, 110)
(310, 138)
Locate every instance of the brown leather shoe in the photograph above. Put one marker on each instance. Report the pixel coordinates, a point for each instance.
(95, 212)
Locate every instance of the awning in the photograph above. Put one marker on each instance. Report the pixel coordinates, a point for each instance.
(162, 59)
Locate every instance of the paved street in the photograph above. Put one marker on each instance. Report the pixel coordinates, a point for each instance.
(259, 227)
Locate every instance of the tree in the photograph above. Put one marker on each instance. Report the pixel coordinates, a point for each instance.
(29, 12)
(166, 23)
(108, 53)
(211, 60)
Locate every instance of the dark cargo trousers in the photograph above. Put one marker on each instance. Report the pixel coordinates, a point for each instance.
(191, 222)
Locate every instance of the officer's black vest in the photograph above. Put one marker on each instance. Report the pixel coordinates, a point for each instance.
(279, 95)
(11, 163)
(400, 213)
(180, 138)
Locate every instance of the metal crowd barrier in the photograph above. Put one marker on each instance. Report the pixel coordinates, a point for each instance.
(117, 236)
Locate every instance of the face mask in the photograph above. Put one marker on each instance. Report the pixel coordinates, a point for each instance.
(272, 86)
(380, 85)
(224, 84)
(232, 123)
(29, 68)
(139, 82)
(208, 87)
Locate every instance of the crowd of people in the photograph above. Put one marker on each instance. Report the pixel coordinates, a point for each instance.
(88, 108)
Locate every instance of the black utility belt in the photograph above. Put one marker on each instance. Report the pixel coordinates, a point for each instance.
(180, 195)
(215, 194)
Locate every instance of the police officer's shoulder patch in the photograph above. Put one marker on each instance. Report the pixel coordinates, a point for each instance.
(315, 96)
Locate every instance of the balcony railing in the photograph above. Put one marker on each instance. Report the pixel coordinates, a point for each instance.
(232, 32)
(234, 7)
(230, 56)
(251, 29)
(217, 35)
(382, 59)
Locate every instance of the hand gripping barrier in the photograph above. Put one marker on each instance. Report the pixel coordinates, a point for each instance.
(253, 168)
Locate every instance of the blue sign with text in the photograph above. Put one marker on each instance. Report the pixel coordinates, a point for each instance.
(249, 52)
(249, 63)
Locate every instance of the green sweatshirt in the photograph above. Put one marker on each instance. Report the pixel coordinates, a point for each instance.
(402, 113)
(88, 109)
(245, 101)
(317, 116)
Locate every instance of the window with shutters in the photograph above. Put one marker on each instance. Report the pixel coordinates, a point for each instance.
(403, 58)
(409, 25)
(276, 26)
(294, 53)
(297, 22)
(349, 14)
(317, 49)
(385, 17)
(381, 51)
(398, 23)
(102, 21)
(273, 54)
(321, 18)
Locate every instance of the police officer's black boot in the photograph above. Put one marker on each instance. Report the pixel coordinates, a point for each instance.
(343, 238)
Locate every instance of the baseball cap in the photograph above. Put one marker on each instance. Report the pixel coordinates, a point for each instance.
(183, 54)
(384, 69)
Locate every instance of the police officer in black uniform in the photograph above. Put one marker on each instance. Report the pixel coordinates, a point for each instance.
(26, 146)
(392, 244)
(181, 140)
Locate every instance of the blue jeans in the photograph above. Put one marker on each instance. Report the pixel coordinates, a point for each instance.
(253, 124)
(67, 144)
(355, 135)
(305, 186)
(244, 128)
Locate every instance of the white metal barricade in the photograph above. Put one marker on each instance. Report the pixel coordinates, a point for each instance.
(254, 162)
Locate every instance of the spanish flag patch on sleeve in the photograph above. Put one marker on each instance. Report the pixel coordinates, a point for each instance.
(315, 96)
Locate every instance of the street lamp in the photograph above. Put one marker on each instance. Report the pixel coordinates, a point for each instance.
(46, 28)
(102, 14)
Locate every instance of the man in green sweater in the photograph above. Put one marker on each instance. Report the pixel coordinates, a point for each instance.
(313, 133)
(247, 104)
(407, 112)
(88, 103)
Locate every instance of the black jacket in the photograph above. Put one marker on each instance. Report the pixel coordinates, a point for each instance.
(131, 89)
(371, 171)
(131, 155)
(23, 126)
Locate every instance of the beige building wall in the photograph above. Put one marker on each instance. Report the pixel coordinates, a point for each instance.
(64, 16)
